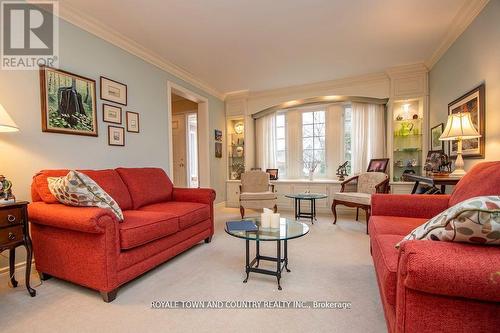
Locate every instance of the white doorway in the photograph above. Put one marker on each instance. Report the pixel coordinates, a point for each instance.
(189, 138)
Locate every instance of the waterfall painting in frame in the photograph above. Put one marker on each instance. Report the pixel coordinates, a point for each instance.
(68, 102)
(473, 102)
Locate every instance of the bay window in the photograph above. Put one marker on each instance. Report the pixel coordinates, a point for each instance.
(313, 142)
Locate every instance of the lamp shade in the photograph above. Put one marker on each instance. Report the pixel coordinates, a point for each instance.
(6, 122)
(459, 126)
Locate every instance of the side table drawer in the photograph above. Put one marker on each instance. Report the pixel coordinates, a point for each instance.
(11, 235)
(10, 217)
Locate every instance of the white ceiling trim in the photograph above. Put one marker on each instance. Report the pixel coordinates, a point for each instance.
(348, 81)
(462, 20)
(68, 13)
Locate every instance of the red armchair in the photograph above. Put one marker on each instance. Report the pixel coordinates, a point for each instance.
(429, 286)
(89, 247)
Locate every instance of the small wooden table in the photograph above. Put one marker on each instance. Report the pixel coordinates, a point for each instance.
(14, 232)
(433, 181)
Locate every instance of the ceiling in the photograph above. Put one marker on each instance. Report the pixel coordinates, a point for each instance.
(260, 44)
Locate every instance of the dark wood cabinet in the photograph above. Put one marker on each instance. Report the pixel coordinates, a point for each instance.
(14, 232)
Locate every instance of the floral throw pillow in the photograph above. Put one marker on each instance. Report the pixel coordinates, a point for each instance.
(78, 189)
(476, 220)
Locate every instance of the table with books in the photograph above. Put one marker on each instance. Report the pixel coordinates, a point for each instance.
(250, 229)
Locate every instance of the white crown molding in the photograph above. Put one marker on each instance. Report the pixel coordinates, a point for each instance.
(460, 22)
(89, 24)
(361, 79)
(406, 70)
(238, 94)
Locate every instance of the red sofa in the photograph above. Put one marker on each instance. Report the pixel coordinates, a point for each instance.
(88, 246)
(429, 286)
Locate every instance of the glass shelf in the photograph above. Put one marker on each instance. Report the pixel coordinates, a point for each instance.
(236, 147)
(407, 137)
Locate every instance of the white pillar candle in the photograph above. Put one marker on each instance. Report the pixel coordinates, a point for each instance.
(265, 220)
(275, 221)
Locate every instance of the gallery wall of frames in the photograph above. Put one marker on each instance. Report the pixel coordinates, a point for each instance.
(69, 106)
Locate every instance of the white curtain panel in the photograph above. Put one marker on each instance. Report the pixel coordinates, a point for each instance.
(368, 135)
(265, 134)
(334, 138)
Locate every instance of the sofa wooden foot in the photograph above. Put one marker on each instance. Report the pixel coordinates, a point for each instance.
(242, 212)
(208, 239)
(109, 296)
(44, 276)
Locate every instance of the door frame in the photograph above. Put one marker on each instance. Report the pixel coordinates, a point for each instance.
(203, 131)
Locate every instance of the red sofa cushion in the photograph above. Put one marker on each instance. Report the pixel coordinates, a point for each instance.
(189, 213)
(108, 179)
(393, 225)
(385, 257)
(482, 179)
(147, 185)
(140, 227)
(451, 269)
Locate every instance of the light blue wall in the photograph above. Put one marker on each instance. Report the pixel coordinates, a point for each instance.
(87, 55)
(26, 152)
(474, 58)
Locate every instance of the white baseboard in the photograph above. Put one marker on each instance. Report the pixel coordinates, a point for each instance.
(220, 204)
(20, 268)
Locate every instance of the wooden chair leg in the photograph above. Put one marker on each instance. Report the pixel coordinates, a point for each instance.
(334, 211)
(357, 214)
(242, 212)
(368, 213)
(275, 208)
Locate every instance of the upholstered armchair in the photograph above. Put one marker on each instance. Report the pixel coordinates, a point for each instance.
(256, 192)
(357, 191)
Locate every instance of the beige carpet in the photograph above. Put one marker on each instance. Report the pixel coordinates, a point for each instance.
(331, 263)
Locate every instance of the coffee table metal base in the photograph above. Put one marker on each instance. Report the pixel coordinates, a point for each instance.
(281, 261)
(309, 215)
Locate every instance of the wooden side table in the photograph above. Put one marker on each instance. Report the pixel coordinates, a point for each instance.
(433, 181)
(14, 232)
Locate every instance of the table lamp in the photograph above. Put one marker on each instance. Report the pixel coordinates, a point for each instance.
(459, 127)
(6, 122)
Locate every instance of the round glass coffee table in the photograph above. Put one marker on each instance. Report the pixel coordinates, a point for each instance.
(311, 197)
(289, 229)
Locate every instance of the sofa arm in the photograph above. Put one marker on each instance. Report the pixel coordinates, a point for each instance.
(409, 205)
(84, 219)
(451, 269)
(200, 195)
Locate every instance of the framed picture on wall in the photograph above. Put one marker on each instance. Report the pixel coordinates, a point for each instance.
(113, 91)
(218, 150)
(111, 114)
(68, 102)
(436, 132)
(132, 122)
(473, 102)
(116, 136)
(218, 135)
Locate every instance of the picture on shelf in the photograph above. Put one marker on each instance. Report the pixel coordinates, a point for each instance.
(68, 102)
(472, 102)
(273, 174)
